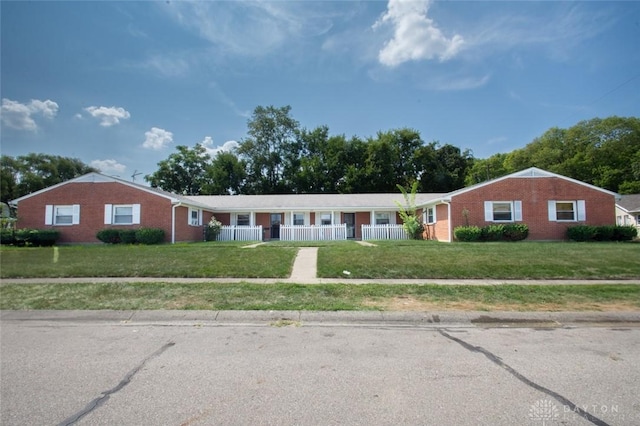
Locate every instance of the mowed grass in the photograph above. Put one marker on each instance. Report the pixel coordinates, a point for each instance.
(329, 297)
(523, 260)
(179, 260)
(385, 260)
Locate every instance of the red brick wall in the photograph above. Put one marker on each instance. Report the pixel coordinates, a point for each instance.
(155, 211)
(440, 230)
(534, 194)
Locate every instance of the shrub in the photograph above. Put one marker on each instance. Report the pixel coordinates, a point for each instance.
(127, 236)
(581, 233)
(35, 237)
(213, 229)
(604, 233)
(7, 236)
(624, 233)
(515, 232)
(109, 236)
(150, 235)
(467, 233)
(492, 233)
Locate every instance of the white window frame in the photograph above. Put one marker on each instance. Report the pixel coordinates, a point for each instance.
(515, 209)
(430, 215)
(197, 221)
(110, 214)
(579, 210)
(237, 218)
(52, 214)
(323, 218)
(382, 217)
(296, 216)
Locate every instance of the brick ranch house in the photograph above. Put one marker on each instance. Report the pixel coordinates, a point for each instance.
(547, 202)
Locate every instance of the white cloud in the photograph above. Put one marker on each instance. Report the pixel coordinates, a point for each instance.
(212, 150)
(157, 139)
(20, 116)
(108, 166)
(108, 116)
(415, 35)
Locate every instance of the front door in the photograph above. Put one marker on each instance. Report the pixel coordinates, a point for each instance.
(350, 221)
(276, 220)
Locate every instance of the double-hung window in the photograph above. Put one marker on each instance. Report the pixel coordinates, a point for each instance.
(298, 219)
(567, 211)
(503, 211)
(122, 214)
(62, 215)
(325, 219)
(243, 220)
(195, 217)
(382, 218)
(430, 215)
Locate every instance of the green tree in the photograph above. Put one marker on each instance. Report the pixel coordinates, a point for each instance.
(269, 150)
(411, 222)
(226, 174)
(32, 172)
(184, 172)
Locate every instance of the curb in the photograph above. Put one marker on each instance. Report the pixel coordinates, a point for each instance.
(363, 318)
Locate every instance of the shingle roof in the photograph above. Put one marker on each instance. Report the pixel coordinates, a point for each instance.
(630, 203)
(342, 202)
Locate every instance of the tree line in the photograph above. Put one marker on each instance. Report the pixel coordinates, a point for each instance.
(279, 156)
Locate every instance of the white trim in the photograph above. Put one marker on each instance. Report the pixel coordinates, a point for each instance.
(108, 214)
(76, 214)
(48, 214)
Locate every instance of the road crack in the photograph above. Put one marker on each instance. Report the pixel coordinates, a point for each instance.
(104, 396)
(498, 361)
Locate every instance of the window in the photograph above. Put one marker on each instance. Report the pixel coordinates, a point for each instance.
(62, 215)
(567, 211)
(430, 215)
(503, 211)
(382, 218)
(122, 214)
(195, 216)
(243, 220)
(298, 218)
(325, 219)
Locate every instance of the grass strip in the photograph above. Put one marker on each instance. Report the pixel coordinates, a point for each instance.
(325, 297)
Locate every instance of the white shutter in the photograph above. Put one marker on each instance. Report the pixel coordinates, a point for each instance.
(582, 211)
(135, 211)
(200, 214)
(488, 211)
(552, 211)
(108, 213)
(288, 218)
(517, 214)
(76, 214)
(48, 214)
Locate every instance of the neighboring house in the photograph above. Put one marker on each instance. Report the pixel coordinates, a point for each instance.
(628, 210)
(81, 207)
(546, 202)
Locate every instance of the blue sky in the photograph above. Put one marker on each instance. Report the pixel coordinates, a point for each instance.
(120, 84)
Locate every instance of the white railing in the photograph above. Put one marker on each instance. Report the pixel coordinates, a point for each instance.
(240, 233)
(383, 232)
(313, 233)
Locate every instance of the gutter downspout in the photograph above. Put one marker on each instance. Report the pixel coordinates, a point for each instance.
(448, 203)
(173, 221)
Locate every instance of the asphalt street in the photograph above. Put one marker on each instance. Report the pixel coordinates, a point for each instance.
(99, 368)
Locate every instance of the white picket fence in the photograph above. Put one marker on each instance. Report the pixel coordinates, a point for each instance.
(383, 232)
(240, 233)
(313, 233)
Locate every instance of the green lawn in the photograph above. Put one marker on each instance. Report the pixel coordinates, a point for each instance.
(388, 259)
(245, 296)
(179, 260)
(523, 260)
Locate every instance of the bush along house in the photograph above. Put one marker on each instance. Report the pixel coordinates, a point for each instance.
(547, 203)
